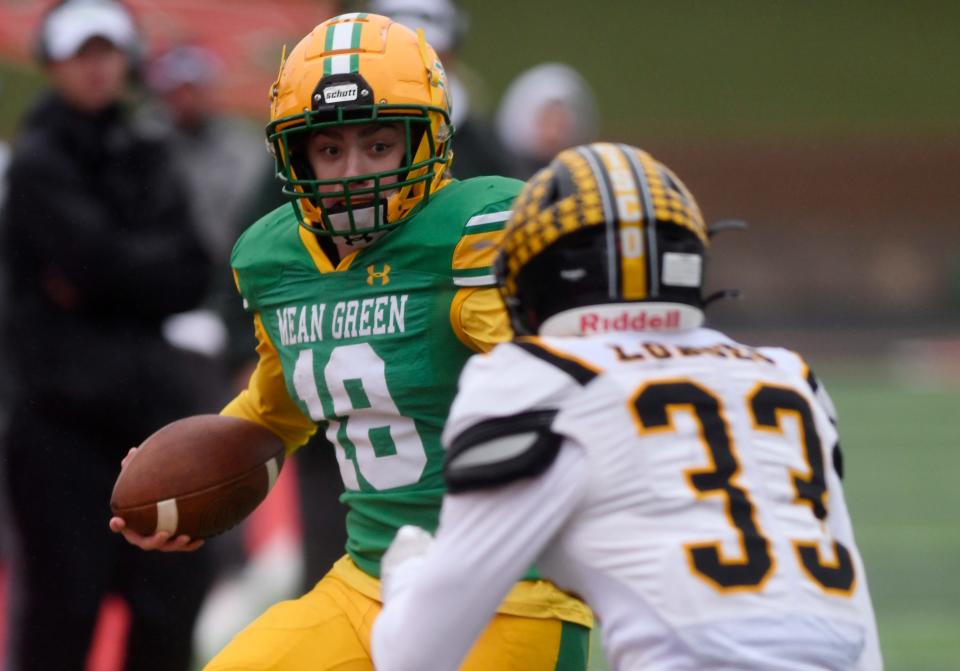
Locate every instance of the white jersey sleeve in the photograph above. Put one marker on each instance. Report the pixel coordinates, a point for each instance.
(434, 608)
(498, 384)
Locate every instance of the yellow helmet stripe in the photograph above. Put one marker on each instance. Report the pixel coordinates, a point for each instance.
(652, 271)
(603, 188)
(629, 221)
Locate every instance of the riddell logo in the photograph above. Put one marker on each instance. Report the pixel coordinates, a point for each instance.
(340, 93)
(630, 321)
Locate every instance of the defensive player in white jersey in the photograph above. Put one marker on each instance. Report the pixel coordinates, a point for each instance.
(686, 486)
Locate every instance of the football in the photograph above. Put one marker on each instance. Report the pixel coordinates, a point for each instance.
(198, 476)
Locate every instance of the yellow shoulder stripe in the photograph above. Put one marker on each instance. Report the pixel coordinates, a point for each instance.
(477, 250)
(478, 318)
(320, 259)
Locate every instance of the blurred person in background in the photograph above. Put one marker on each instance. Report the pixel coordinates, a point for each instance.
(445, 25)
(4, 161)
(225, 168)
(4, 383)
(544, 110)
(99, 247)
(184, 79)
(184, 85)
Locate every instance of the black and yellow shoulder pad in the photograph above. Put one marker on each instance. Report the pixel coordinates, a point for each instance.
(501, 450)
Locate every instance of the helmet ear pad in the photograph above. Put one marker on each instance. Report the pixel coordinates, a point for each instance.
(297, 146)
(672, 239)
(569, 273)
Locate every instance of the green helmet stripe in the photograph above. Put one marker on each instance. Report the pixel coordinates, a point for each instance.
(355, 44)
(328, 38)
(342, 37)
(355, 38)
(327, 46)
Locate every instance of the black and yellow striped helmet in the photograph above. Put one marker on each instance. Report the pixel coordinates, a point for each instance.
(601, 229)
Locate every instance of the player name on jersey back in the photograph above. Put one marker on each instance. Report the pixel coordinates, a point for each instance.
(358, 318)
(649, 350)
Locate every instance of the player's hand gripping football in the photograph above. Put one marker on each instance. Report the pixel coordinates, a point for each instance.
(159, 541)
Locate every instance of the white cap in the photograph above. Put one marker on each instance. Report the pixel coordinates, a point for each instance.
(534, 89)
(442, 21)
(184, 64)
(73, 24)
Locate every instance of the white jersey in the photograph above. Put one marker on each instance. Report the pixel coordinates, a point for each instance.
(694, 502)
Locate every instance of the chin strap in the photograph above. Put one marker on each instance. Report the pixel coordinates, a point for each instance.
(713, 230)
(362, 240)
(719, 295)
(725, 225)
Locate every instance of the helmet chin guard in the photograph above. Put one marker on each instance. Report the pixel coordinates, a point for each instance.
(348, 221)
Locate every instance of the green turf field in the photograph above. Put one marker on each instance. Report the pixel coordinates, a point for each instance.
(902, 450)
(902, 454)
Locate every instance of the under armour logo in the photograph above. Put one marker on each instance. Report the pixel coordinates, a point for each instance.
(383, 276)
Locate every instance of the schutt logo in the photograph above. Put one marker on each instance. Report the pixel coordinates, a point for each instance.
(340, 93)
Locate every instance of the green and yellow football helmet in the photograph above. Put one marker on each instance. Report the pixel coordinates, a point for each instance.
(358, 69)
(603, 238)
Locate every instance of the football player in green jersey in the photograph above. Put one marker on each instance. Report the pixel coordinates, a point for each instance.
(368, 296)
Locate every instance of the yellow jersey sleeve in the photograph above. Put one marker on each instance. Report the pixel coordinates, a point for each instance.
(479, 318)
(477, 313)
(266, 400)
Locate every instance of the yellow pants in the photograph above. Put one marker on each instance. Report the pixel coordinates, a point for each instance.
(328, 629)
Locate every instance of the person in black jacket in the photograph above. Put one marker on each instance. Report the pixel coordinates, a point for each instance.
(99, 250)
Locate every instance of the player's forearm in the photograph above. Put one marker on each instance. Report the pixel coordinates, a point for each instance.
(433, 612)
(478, 318)
(485, 541)
(437, 603)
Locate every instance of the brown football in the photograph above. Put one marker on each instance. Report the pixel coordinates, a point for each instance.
(197, 476)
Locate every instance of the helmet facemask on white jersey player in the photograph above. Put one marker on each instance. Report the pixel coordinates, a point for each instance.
(361, 70)
(604, 238)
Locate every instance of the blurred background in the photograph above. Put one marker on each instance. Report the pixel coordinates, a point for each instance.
(833, 129)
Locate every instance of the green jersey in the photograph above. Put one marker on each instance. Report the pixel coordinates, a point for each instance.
(368, 350)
